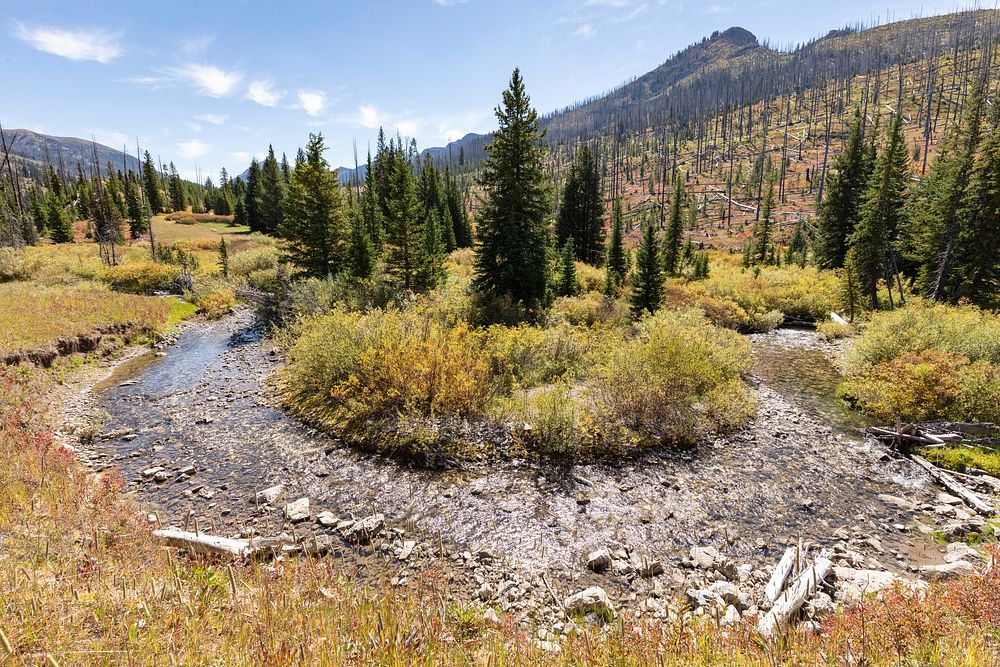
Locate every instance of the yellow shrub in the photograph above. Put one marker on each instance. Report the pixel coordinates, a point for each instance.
(15, 266)
(831, 330)
(217, 303)
(798, 293)
(588, 309)
(140, 276)
(589, 278)
(245, 263)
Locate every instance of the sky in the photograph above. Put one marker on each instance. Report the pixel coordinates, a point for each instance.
(210, 84)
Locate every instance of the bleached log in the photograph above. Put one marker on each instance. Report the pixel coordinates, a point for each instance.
(780, 575)
(837, 319)
(802, 588)
(205, 544)
(955, 487)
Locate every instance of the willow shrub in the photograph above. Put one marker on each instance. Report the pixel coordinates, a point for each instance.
(797, 293)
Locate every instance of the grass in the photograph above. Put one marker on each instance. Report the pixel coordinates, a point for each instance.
(33, 316)
(83, 583)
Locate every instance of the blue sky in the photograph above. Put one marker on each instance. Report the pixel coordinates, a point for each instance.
(209, 84)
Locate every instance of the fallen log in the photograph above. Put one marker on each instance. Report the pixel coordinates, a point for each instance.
(981, 428)
(954, 487)
(801, 589)
(205, 544)
(780, 575)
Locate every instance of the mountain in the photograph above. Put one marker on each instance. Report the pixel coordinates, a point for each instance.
(33, 150)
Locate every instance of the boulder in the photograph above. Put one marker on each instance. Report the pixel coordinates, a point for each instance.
(270, 494)
(593, 600)
(709, 558)
(956, 551)
(327, 518)
(854, 584)
(951, 570)
(598, 560)
(364, 530)
(647, 567)
(730, 594)
(297, 511)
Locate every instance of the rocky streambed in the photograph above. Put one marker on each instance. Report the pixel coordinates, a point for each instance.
(196, 437)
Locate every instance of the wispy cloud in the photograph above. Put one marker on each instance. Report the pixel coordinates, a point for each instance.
(193, 149)
(207, 79)
(368, 116)
(213, 118)
(606, 3)
(312, 101)
(98, 44)
(196, 45)
(586, 31)
(263, 93)
(449, 3)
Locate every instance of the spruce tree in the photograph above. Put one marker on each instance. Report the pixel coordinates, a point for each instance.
(976, 274)
(224, 257)
(151, 183)
(461, 229)
(315, 225)
(617, 264)
(937, 214)
(566, 284)
(647, 278)
(133, 204)
(272, 194)
(673, 241)
(843, 193)
(871, 242)
(370, 209)
(432, 254)
(581, 215)
(762, 250)
(512, 244)
(404, 241)
(177, 199)
(252, 198)
(58, 223)
(360, 251)
(37, 210)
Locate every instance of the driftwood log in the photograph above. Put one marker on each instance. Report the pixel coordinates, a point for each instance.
(215, 545)
(780, 575)
(955, 487)
(801, 589)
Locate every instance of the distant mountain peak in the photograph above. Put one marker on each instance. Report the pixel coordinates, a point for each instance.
(736, 36)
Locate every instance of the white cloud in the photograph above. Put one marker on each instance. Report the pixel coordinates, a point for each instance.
(368, 116)
(193, 148)
(213, 118)
(409, 127)
(207, 79)
(245, 156)
(263, 93)
(312, 101)
(606, 3)
(109, 137)
(586, 31)
(196, 45)
(74, 43)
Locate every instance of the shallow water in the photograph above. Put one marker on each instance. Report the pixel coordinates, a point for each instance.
(794, 472)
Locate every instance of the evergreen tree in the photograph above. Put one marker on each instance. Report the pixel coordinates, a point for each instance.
(240, 213)
(252, 198)
(797, 247)
(673, 241)
(617, 265)
(461, 229)
(566, 284)
(315, 224)
(976, 274)
(224, 257)
(763, 250)
(370, 210)
(272, 194)
(843, 194)
(647, 279)
(404, 241)
(512, 249)
(133, 205)
(151, 183)
(58, 223)
(937, 214)
(432, 254)
(37, 210)
(871, 242)
(581, 216)
(286, 170)
(177, 199)
(434, 202)
(360, 251)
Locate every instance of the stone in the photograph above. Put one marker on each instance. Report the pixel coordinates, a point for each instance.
(820, 606)
(186, 470)
(162, 476)
(408, 546)
(854, 584)
(270, 494)
(598, 560)
(948, 499)
(897, 502)
(956, 551)
(327, 518)
(364, 530)
(622, 568)
(486, 592)
(705, 558)
(590, 600)
(951, 570)
(730, 594)
(149, 472)
(730, 618)
(491, 616)
(297, 510)
(647, 567)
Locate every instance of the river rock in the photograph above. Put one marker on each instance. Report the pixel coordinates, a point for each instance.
(730, 594)
(854, 584)
(647, 567)
(149, 472)
(327, 518)
(297, 510)
(731, 617)
(702, 597)
(599, 560)
(951, 570)
(819, 606)
(956, 551)
(709, 558)
(408, 546)
(486, 592)
(364, 530)
(898, 503)
(590, 600)
(270, 494)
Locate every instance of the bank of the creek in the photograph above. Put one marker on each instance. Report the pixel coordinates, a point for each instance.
(802, 469)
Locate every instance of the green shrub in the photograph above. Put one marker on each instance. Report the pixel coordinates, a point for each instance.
(589, 278)
(830, 330)
(243, 264)
(589, 308)
(216, 303)
(141, 276)
(797, 293)
(15, 266)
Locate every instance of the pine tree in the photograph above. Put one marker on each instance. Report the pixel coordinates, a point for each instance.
(37, 210)
(647, 278)
(370, 210)
(431, 271)
(272, 194)
(617, 265)
(315, 225)
(224, 257)
(461, 229)
(512, 249)
(976, 274)
(57, 222)
(151, 183)
(937, 214)
(177, 200)
(797, 247)
(871, 242)
(581, 215)
(252, 198)
(566, 284)
(133, 205)
(240, 213)
(360, 251)
(404, 241)
(843, 194)
(673, 241)
(763, 250)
